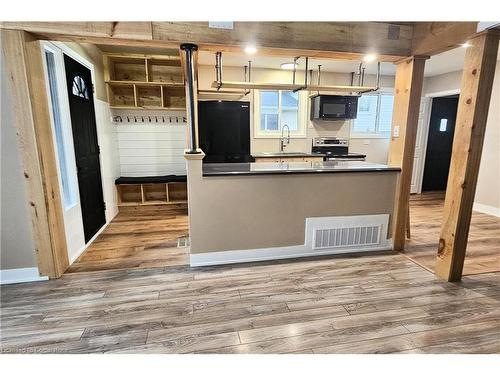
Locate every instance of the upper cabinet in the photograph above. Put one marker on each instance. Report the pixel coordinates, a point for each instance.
(144, 81)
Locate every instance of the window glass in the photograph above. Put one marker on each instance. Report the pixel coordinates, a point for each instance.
(374, 114)
(278, 108)
(68, 191)
(365, 121)
(290, 109)
(79, 88)
(269, 110)
(443, 124)
(385, 113)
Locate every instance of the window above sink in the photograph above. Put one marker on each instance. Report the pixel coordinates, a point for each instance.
(275, 108)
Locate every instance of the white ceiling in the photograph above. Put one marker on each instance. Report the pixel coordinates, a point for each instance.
(449, 61)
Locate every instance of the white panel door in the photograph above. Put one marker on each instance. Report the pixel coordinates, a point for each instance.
(420, 144)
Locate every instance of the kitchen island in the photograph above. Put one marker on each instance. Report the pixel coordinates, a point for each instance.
(243, 212)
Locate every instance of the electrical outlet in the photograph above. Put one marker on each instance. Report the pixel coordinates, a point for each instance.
(395, 131)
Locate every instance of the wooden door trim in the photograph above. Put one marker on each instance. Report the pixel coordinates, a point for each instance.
(25, 70)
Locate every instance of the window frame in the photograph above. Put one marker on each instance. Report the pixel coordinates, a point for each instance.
(301, 131)
(376, 133)
(67, 131)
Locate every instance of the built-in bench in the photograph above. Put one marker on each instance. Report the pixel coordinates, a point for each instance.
(151, 190)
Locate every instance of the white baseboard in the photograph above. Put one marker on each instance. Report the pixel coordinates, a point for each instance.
(486, 209)
(20, 275)
(273, 253)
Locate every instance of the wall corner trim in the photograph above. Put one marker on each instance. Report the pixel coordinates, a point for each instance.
(20, 275)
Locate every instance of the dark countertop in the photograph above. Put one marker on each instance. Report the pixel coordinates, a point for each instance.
(285, 154)
(235, 169)
(303, 155)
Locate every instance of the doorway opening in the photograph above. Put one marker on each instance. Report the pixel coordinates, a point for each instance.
(426, 208)
(439, 143)
(120, 148)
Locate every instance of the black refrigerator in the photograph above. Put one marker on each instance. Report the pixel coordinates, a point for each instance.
(224, 131)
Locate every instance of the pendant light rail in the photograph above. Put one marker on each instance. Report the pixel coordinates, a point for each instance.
(247, 85)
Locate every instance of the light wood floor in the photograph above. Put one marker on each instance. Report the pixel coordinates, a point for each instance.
(138, 237)
(483, 248)
(359, 304)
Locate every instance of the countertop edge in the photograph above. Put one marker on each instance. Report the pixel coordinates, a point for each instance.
(284, 172)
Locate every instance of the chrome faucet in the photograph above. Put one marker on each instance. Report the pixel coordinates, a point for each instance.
(284, 141)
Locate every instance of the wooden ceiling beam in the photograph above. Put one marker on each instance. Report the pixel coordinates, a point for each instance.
(431, 38)
(328, 40)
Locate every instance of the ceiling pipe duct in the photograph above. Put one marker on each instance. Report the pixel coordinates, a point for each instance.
(189, 57)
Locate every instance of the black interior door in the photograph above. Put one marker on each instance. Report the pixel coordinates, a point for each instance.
(439, 143)
(81, 105)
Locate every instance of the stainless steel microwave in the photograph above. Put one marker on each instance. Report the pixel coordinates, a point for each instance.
(334, 107)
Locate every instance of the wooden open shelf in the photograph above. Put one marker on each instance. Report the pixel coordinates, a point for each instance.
(151, 194)
(144, 81)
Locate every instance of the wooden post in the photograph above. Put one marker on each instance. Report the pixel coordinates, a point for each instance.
(473, 105)
(407, 94)
(24, 65)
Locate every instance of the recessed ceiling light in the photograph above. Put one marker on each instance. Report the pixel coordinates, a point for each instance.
(289, 66)
(465, 45)
(250, 50)
(370, 57)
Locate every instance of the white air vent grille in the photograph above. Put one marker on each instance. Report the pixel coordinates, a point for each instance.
(346, 237)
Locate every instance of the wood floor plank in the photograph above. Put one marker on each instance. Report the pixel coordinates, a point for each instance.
(426, 214)
(372, 303)
(138, 237)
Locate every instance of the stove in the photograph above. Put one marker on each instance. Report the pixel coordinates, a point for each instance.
(333, 148)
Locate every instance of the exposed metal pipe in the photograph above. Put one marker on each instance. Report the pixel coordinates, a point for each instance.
(218, 69)
(359, 73)
(305, 77)
(294, 68)
(378, 75)
(363, 77)
(305, 72)
(191, 95)
(319, 77)
(249, 75)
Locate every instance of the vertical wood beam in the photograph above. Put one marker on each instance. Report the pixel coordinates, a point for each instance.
(472, 114)
(407, 94)
(24, 65)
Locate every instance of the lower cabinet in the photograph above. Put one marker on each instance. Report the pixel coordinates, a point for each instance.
(151, 194)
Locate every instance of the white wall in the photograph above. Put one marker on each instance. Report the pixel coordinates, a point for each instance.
(151, 148)
(377, 149)
(110, 165)
(17, 248)
(487, 197)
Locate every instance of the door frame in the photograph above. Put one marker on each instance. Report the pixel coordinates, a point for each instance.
(425, 133)
(64, 49)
